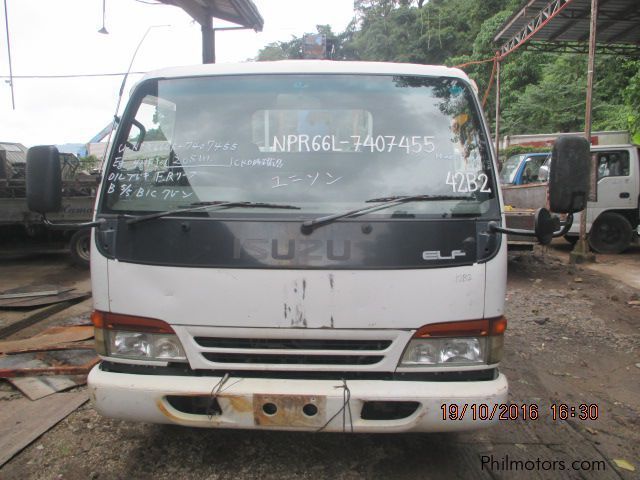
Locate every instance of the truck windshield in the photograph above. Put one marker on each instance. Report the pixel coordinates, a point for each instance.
(510, 168)
(324, 143)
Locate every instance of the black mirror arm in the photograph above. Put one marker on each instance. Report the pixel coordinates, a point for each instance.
(72, 226)
(494, 227)
(566, 225)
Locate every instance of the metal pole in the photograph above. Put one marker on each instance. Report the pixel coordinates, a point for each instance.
(593, 192)
(498, 110)
(582, 247)
(208, 43)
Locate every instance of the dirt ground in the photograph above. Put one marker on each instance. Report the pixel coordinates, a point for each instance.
(573, 338)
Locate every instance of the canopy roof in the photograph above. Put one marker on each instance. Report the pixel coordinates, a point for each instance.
(241, 12)
(566, 26)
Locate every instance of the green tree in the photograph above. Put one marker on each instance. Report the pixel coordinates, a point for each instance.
(540, 92)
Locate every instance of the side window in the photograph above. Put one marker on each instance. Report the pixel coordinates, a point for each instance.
(613, 164)
(150, 135)
(532, 169)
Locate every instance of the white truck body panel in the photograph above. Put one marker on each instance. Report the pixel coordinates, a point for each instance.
(312, 298)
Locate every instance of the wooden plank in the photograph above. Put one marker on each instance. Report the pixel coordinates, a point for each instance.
(38, 301)
(52, 337)
(85, 345)
(39, 387)
(31, 291)
(59, 362)
(63, 370)
(42, 293)
(22, 421)
(36, 317)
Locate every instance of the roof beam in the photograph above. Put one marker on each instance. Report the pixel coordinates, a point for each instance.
(573, 47)
(513, 19)
(544, 16)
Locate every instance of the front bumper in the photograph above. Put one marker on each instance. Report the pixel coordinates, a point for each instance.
(241, 400)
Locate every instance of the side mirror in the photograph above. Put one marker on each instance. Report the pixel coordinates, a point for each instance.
(545, 226)
(569, 174)
(44, 179)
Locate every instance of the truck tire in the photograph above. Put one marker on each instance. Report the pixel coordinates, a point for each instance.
(572, 239)
(610, 233)
(80, 246)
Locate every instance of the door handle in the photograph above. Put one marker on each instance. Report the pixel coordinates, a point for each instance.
(624, 195)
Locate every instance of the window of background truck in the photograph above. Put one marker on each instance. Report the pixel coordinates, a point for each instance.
(510, 169)
(613, 164)
(325, 143)
(532, 168)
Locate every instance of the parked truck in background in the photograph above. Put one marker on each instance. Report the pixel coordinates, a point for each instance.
(17, 223)
(613, 219)
(522, 169)
(306, 245)
(546, 140)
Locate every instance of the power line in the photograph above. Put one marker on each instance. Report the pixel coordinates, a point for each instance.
(10, 77)
(77, 75)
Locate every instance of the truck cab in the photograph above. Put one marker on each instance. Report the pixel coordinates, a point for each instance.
(613, 219)
(282, 238)
(302, 245)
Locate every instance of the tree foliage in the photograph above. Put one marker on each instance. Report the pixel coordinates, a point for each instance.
(540, 93)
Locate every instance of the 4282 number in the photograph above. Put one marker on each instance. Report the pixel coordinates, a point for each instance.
(468, 182)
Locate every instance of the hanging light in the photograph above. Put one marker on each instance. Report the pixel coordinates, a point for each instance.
(103, 29)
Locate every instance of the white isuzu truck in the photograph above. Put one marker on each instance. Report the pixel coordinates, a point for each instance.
(304, 245)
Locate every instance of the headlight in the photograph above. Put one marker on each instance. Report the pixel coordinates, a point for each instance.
(437, 351)
(145, 346)
(475, 342)
(462, 350)
(421, 353)
(136, 338)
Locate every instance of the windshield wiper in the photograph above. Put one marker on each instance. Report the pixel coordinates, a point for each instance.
(310, 225)
(198, 206)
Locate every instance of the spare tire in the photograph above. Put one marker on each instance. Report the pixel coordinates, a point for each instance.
(80, 247)
(610, 233)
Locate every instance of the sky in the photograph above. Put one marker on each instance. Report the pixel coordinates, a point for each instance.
(60, 37)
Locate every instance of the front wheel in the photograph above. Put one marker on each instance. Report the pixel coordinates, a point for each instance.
(610, 233)
(80, 247)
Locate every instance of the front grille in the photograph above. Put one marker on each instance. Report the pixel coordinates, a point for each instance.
(292, 343)
(289, 359)
(284, 349)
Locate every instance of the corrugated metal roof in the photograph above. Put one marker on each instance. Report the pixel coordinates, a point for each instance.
(15, 152)
(618, 22)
